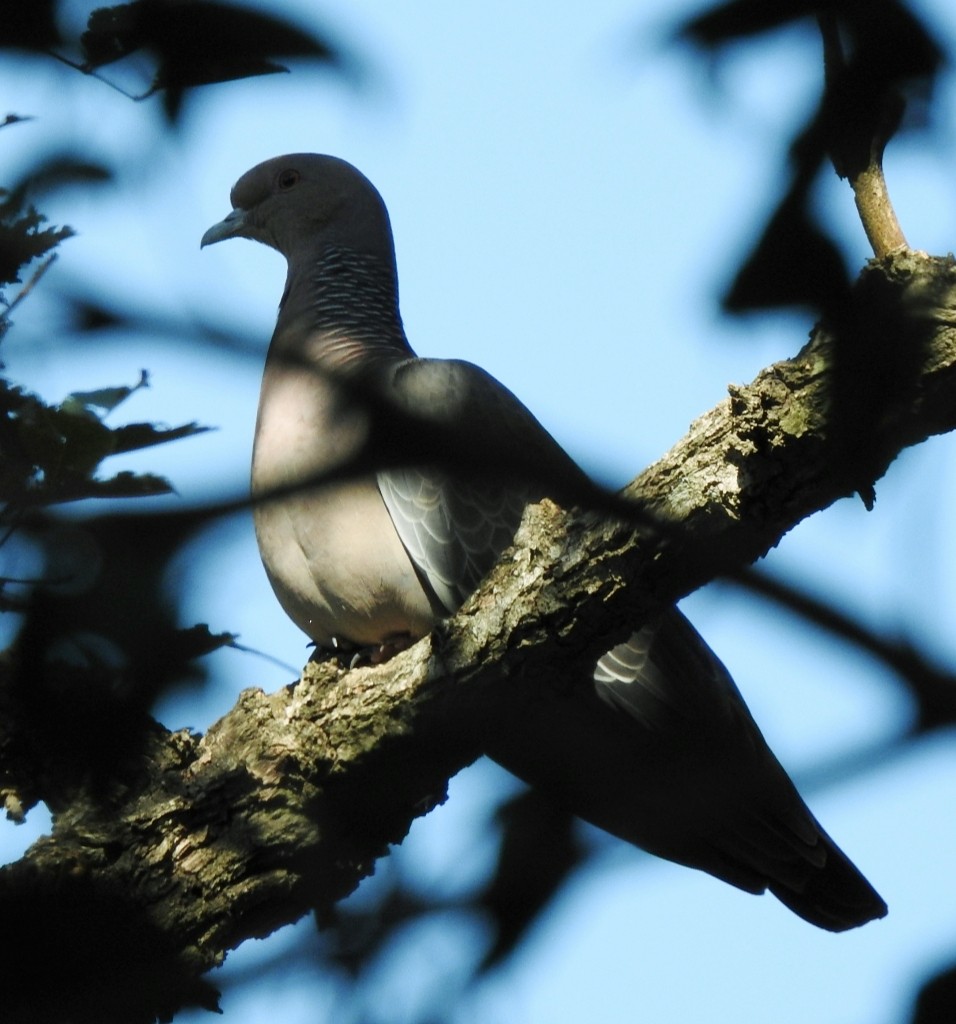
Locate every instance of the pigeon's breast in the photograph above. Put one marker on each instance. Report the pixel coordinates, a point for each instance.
(330, 550)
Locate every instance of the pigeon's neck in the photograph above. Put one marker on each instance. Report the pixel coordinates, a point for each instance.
(346, 293)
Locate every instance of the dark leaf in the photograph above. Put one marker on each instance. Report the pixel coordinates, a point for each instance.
(905, 44)
(22, 237)
(51, 453)
(356, 937)
(107, 399)
(197, 43)
(13, 119)
(122, 485)
(794, 264)
(29, 25)
(60, 170)
(739, 19)
(88, 315)
(539, 850)
(98, 643)
(134, 436)
(936, 1002)
(112, 33)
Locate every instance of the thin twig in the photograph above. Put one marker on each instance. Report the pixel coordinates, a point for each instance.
(30, 285)
(877, 215)
(271, 658)
(85, 69)
(860, 159)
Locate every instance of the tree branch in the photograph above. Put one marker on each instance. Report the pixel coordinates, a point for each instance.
(200, 842)
(862, 118)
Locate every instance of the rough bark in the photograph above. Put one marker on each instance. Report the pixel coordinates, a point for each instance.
(284, 805)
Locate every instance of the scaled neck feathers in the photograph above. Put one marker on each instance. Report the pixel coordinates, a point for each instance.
(345, 294)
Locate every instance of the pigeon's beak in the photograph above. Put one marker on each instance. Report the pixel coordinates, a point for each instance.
(232, 225)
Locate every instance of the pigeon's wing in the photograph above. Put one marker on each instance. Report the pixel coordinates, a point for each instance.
(453, 530)
(665, 676)
(475, 428)
(456, 518)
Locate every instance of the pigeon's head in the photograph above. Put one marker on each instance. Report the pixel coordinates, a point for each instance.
(302, 201)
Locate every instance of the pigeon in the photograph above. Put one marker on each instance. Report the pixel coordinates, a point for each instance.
(657, 746)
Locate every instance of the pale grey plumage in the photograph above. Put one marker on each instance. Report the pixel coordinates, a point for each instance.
(659, 747)
(452, 530)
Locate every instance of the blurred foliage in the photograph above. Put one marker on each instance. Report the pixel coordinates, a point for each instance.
(190, 43)
(30, 25)
(539, 848)
(22, 239)
(887, 53)
(101, 927)
(194, 43)
(936, 1000)
(51, 452)
(100, 638)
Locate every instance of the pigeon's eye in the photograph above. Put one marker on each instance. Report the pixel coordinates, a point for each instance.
(287, 179)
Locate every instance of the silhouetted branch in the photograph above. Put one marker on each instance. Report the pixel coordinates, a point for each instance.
(932, 686)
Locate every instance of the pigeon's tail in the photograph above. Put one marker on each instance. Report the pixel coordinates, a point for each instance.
(834, 896)
(728, 806)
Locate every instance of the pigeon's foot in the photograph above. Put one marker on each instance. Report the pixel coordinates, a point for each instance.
(385, 651)
(350, 655)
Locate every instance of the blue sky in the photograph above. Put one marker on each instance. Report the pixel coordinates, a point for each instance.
(568, 196)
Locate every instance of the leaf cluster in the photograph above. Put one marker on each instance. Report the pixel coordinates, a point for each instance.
(189, 43)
